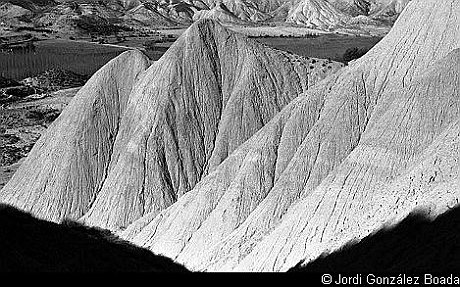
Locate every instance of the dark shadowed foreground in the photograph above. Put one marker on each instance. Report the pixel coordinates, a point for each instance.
(417, 244)
(30, 244)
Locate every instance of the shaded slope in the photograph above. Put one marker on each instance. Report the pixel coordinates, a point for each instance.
(251, 11)
(32, 245)
(316, 148)
(219, 13)
(352, 7)
(418, 244)
(389, 10)
(210, 92)
(248, 11)
(154, 12)
(67, 166)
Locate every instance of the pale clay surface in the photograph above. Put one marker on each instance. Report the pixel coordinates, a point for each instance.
(137, 137)
(228, 155)
(296, 188)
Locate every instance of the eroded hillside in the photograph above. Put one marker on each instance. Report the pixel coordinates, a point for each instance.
(313, 177)
(137, 137)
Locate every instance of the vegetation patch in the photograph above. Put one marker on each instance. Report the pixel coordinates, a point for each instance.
(354, 53)
(42, 117)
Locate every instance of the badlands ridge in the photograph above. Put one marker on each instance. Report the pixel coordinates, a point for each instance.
(229, 155)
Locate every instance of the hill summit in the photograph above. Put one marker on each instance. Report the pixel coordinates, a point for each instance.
(228, 155)
(138, 136)
(361, 149)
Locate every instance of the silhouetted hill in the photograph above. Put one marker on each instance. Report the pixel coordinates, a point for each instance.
(417, 244)
(30, 244)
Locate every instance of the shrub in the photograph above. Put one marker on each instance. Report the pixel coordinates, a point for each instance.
(353, 54)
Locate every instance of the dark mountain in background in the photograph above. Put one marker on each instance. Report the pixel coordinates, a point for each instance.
(30, 244)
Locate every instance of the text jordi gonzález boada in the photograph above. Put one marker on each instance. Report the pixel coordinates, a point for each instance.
(401, 279)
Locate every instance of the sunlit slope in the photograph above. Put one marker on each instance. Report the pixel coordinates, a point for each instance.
(67, 166)
(317, 159)
(139, 136)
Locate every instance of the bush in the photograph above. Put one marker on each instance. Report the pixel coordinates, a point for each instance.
(42, 116)
(354, 53)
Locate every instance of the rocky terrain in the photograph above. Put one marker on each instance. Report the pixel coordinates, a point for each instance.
(107, 17)
(228, 155)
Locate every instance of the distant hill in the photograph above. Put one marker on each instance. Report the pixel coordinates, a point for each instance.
(317, 14)
(75, 16)
(33, 5)
(220, 13)
(30, 244)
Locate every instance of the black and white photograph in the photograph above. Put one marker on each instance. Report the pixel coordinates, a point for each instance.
(318, 138)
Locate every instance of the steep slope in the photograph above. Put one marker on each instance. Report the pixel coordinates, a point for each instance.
(32, 245)
(219, 13)
(178, 12)
(368, 7)
(319, 14)
(316, 14)
(67, 166)
(247, 11)
(388, 10)
(352, 7)
(416, 245)
(354, 200)
(307, 181)
(130, 145)
(192, 108)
